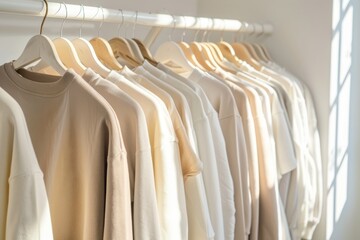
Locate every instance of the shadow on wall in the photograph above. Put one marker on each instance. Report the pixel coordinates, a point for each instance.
(342, 81)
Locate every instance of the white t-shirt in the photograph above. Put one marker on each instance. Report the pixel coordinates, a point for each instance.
(24, 206)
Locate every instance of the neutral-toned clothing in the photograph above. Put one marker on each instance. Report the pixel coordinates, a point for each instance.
(226, 182)
(272, 219)
(24, 206)
(170, 193)
(197, 209)
(78, 143)
(146, 222)
(206, 153)
(224, 103)
(244, 108)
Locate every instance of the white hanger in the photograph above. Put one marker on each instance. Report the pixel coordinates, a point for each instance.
(40, 47)
(87, 54)
(170, 53)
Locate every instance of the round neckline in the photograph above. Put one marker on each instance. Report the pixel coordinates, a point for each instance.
(38, 83)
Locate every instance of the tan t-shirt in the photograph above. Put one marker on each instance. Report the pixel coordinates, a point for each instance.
(78, 143)
(146, 222)
(24, 206)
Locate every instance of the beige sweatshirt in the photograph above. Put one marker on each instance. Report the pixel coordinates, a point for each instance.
(77, 140)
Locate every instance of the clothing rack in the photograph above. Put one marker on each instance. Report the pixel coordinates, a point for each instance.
(157, 21)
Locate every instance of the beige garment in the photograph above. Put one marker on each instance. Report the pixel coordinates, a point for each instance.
(146, 222)
(224, 103)
(170, 193)
(78, 143)
(244, 108)
(272, 219)
(284, 146)
(206, 153)
(197, 209)
(226, 182)
(24, 206)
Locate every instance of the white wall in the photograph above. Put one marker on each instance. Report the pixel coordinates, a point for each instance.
(305, 43)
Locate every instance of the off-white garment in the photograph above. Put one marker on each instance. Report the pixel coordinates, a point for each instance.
(283, 142)
(226, 182)
(169, 184)
(272, 219)
(78, 143)
(314, 157)
(244, 108)
(231, 124)
(206, 153)
(299, 125)
(24, 206)
(146, 222)
(198, 212)
(314, 149)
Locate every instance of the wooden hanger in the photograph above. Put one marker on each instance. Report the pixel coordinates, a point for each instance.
(228, 52)
(171, 54)
(242, 53)
(136, 50)
(252, 51)
(40, 47)
(190, 55)
(123, 49)
(219, 57)
(260, 52)
(204, 59)
(105, 54)
(103, 50)
(145, 52)
(87, 54)
(266, 52)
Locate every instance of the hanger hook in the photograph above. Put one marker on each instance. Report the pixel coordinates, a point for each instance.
(173, 28)
(82, 9)
(212, 21)
(222, 31)
(243, 36)
(196, 34)
(66, 16)
(103, 19)
(136, 18)
(45, 16)
(183, 34)
(205, 32)
(122, 21)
